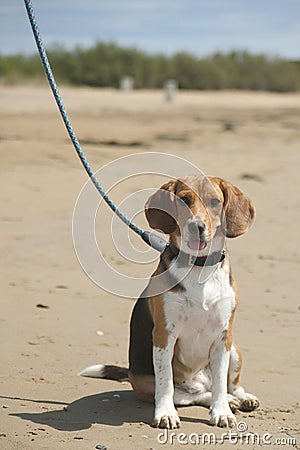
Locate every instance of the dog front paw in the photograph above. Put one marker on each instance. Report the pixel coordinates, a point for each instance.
(166, 418)
(222, 416)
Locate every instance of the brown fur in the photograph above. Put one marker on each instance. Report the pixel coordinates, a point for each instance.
(144, 386)
(160, 333)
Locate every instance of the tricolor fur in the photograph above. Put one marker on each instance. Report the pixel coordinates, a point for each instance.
(181, 350)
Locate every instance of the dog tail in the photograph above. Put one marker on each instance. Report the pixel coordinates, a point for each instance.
(116, 373)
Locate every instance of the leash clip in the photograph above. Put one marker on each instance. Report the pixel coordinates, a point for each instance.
(154, 241)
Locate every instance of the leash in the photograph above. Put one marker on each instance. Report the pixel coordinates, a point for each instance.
(152, 239)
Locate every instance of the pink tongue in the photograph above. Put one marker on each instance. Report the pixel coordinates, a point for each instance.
(197, 245)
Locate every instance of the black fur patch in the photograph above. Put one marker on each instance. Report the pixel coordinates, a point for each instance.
(115, 373)
(140, 347)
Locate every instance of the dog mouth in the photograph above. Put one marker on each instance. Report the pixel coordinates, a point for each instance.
(196, 244)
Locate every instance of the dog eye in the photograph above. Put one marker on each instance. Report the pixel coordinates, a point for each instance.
(214, 202)
(187, 200)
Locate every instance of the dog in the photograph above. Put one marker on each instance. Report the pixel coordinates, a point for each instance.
(181, 349)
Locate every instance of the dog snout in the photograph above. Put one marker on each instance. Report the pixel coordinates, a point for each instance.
(196, 228)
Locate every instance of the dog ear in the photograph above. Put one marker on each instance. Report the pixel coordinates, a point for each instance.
(160, 208)
(238, 210)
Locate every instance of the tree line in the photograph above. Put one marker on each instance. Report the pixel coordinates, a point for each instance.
(104, 64)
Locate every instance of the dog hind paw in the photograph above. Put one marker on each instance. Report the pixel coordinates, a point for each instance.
(249, 403)
(233, 402)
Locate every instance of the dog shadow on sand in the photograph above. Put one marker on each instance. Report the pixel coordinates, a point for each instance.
(112, 408)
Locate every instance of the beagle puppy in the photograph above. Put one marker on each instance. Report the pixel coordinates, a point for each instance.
(181, 349)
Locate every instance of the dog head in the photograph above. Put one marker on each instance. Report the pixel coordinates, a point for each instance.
(199, 210)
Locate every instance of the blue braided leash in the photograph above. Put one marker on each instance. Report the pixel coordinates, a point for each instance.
(150, 238)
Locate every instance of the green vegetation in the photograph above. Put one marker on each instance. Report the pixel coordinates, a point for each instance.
(104, 65)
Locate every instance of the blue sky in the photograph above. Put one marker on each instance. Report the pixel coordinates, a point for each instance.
(200, 27)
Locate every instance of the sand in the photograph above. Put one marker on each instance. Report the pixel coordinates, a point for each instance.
(54, 321)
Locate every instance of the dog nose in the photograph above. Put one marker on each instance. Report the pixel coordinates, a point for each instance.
(196, 227)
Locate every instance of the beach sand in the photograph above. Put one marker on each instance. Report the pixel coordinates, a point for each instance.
(54, 321)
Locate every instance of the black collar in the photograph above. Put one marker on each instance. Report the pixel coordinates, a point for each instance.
(185, 260)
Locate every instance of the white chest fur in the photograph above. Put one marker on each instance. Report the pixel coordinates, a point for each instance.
(197, 316)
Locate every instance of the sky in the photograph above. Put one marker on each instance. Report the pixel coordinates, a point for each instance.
(200, 27)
